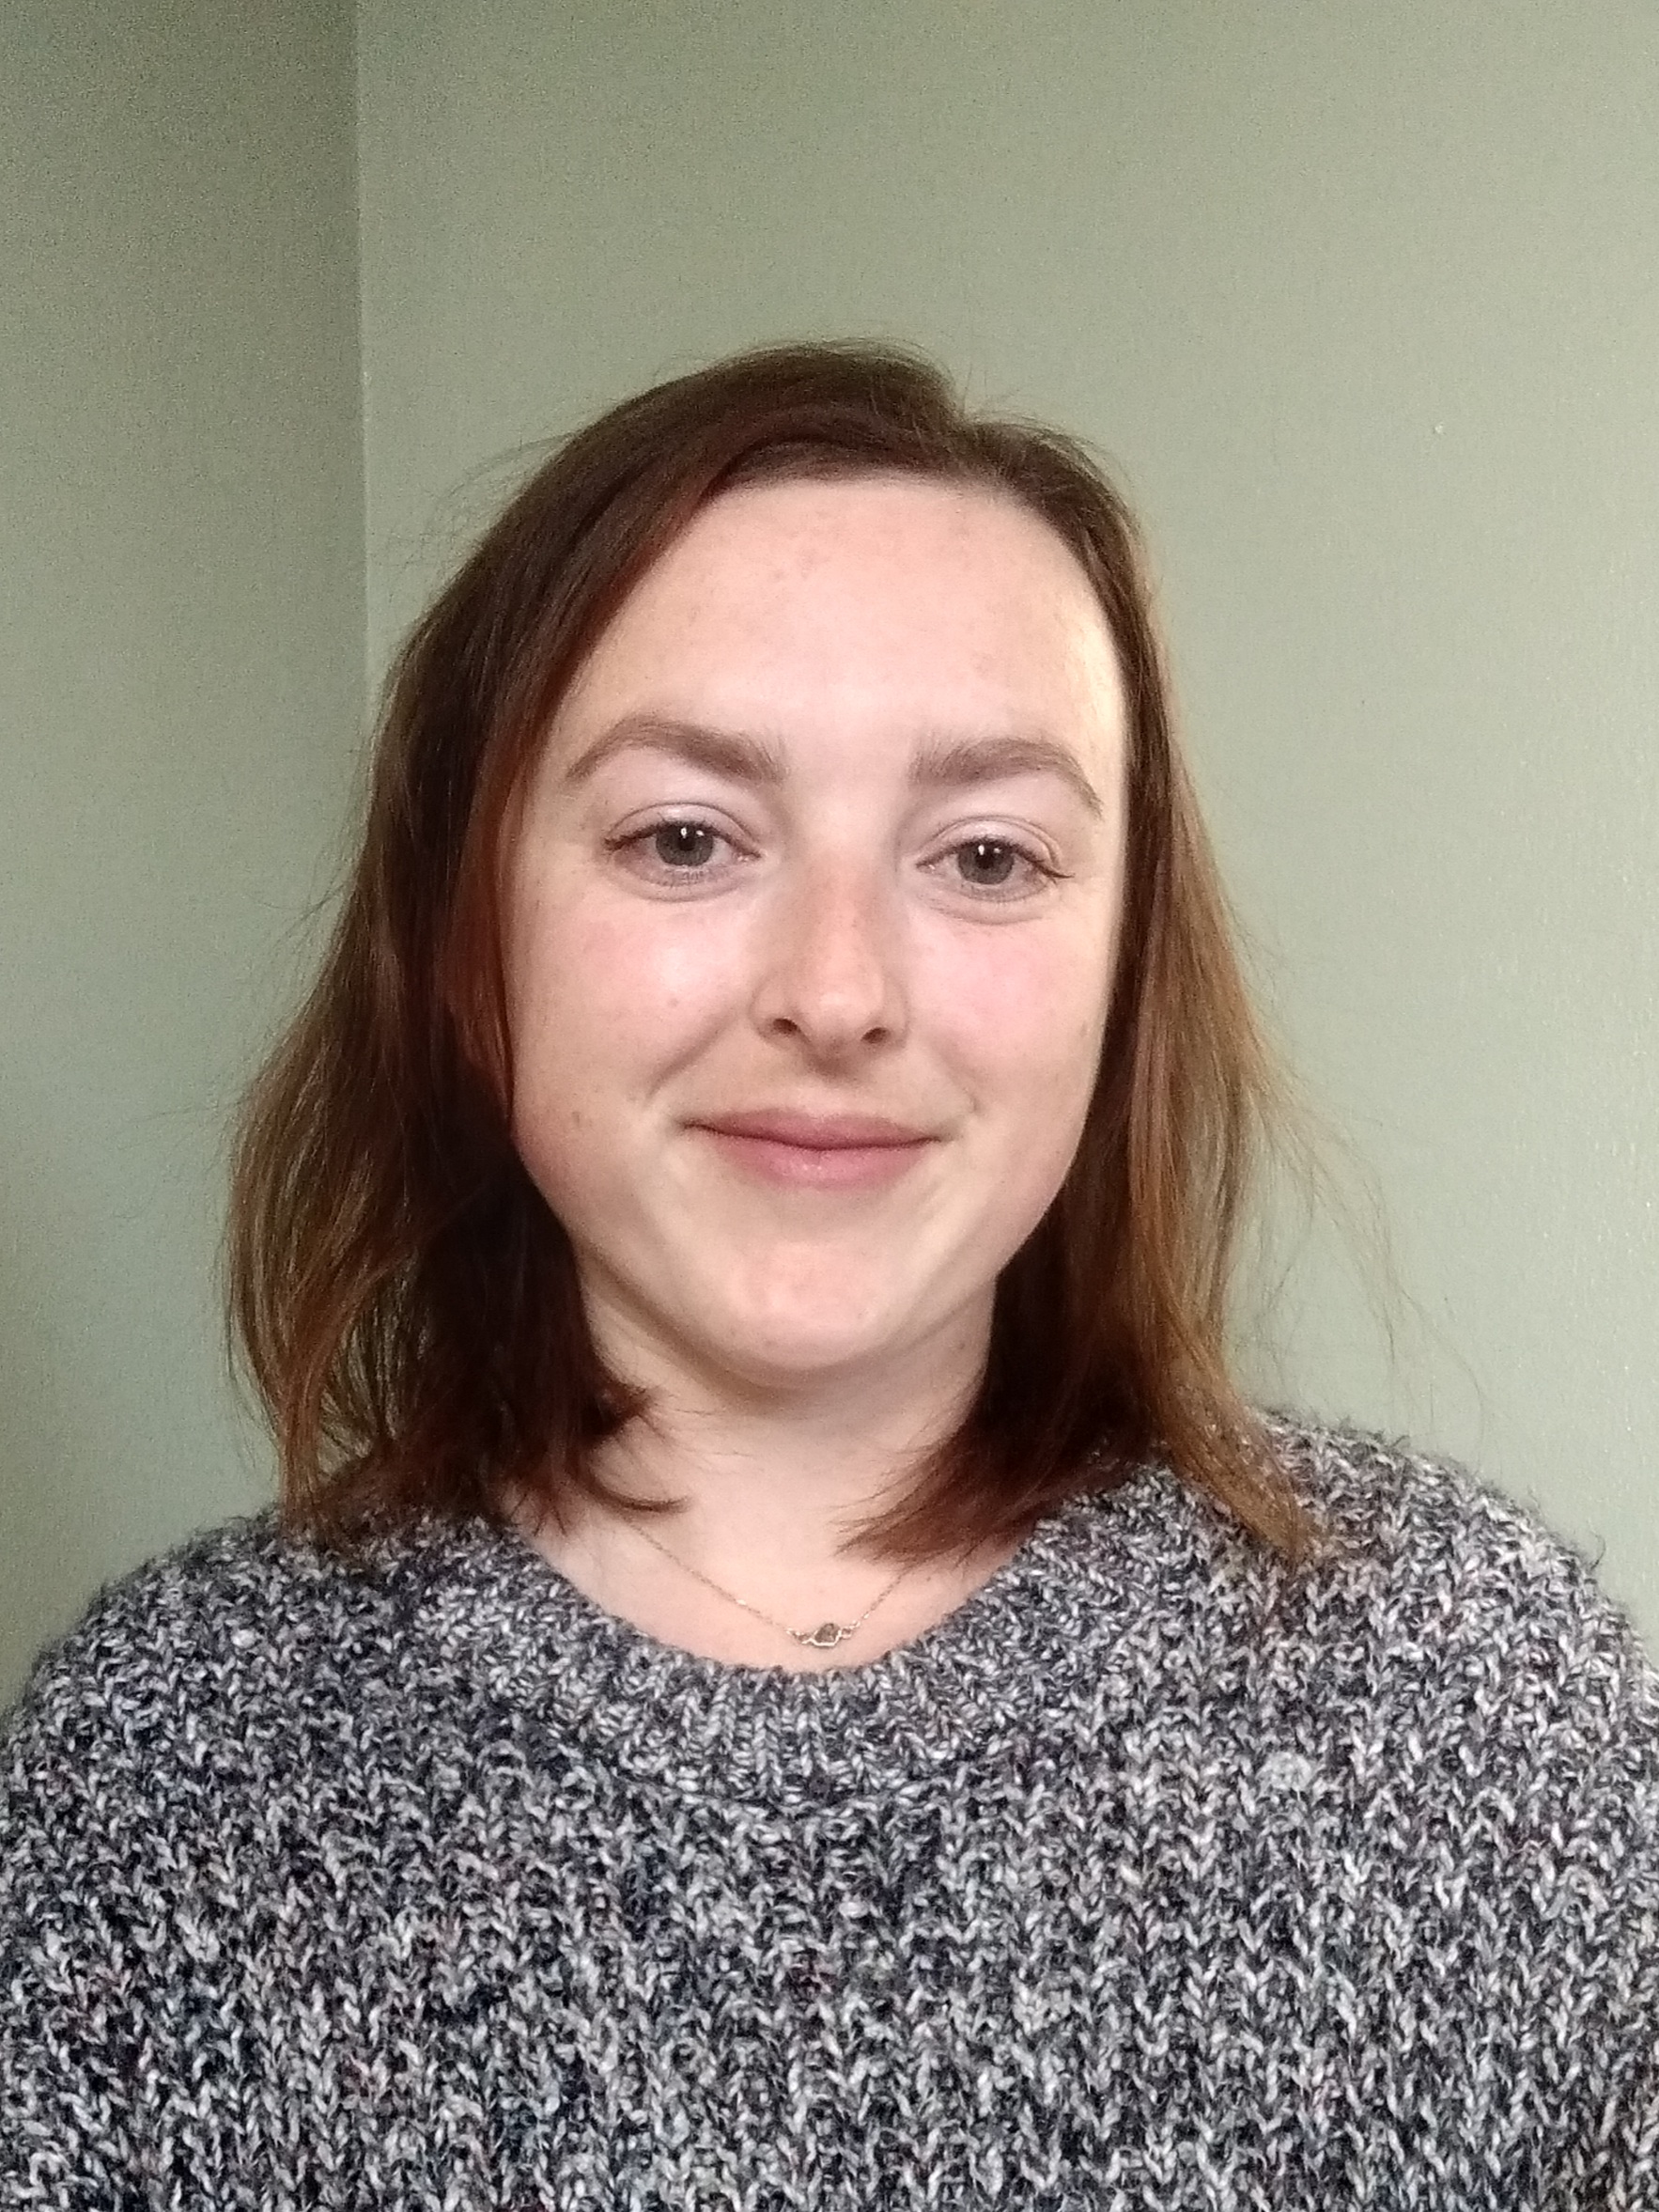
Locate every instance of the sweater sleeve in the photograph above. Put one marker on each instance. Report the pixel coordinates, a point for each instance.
(1619, 1855)
(1552, 1686)
(104, 1785)
(1512, 1723)
(72, 2051)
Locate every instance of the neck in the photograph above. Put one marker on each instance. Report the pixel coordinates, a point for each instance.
(787, 1465)
(769, 1488)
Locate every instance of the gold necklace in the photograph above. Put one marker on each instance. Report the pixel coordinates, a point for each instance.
(825, 1637)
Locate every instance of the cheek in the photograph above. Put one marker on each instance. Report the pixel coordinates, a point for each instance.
(1026, 1014)
(605, 998)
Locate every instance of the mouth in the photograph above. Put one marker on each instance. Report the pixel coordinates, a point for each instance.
(828, 1151)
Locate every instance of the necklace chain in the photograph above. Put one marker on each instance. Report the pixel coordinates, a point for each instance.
(825, 1637)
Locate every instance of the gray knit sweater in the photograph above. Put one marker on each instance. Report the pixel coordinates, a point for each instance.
(1154, 1877)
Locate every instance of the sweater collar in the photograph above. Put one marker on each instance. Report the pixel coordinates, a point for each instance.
(504, 1625)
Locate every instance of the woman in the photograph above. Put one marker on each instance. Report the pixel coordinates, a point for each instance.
(786, 1674)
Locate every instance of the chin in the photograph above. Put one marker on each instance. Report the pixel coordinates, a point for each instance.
(788, 1365)
(771, 1356)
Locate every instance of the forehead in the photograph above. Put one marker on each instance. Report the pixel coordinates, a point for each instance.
(905, 597)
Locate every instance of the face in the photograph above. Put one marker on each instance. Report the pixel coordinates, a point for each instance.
(810, 919)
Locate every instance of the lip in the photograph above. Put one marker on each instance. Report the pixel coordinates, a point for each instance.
(817, 1132)
(818, 1151)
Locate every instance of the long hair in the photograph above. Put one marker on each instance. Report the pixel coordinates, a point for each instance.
(408, 1305)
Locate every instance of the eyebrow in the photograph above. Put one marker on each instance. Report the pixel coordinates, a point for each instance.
(724, 752)
(942, 763)
(951, 764)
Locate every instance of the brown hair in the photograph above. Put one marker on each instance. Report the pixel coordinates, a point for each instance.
(407, 1302)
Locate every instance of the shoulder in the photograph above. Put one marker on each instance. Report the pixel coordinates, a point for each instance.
(202, 1664)
(178, 1768)
(1436, 1556)
(1433, 1608)
(216, 1722)
(1411, 1538)
(227, 1600)
(1460, 1652)
(1448, 1747)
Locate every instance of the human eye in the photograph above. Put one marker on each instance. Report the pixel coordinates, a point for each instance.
(675, 847)
(993, 864)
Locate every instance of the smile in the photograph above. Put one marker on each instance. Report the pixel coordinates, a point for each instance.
(838, 1152)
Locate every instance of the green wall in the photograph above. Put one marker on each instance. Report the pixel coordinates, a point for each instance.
(180, 676)
(1361, 300)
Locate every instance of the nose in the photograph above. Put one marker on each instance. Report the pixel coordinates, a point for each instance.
(830, 972)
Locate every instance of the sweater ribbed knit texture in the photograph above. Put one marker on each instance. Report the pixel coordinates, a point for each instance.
(1156, 1877)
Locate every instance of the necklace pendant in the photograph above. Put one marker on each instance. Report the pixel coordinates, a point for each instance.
(825, 1637)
